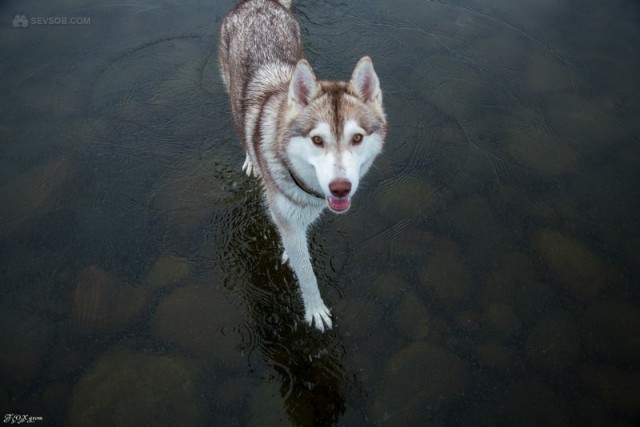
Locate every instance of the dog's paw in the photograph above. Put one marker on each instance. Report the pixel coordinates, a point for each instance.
(247, 166)
(319, 316)
(285, 257)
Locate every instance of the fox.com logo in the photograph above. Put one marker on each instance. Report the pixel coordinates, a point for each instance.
(22, 20)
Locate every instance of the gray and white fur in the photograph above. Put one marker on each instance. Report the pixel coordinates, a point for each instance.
(309, 141)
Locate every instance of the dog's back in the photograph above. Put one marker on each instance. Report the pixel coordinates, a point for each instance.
(254, 34)
(309, 141)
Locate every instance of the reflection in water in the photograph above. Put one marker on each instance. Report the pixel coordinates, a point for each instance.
(314, 383)
(486, 272)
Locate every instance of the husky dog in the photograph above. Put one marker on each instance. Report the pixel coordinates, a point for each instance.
(309, 141)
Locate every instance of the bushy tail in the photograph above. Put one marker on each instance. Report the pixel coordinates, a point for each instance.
(285, 3)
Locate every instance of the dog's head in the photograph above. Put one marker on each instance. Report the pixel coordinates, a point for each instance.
(336, 130)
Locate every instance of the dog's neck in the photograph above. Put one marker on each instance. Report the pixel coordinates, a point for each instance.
(303, 186)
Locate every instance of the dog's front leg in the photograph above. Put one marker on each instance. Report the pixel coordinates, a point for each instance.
(295, 245)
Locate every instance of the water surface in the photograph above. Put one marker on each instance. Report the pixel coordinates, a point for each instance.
(485, 275)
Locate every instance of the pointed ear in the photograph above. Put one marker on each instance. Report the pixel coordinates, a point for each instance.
(364, 81)
(303, 86)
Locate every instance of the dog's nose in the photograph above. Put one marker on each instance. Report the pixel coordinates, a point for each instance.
(340, 187)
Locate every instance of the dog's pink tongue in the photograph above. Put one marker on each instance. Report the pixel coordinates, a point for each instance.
(339, 205)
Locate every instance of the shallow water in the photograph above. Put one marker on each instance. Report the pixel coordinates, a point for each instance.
(486, 274)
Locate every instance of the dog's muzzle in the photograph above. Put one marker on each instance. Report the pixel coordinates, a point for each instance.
(339, 200)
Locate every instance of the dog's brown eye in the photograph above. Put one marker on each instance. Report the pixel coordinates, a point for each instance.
(317, 140)
(357, 138)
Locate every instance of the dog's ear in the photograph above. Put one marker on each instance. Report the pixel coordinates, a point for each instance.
(364, 81)
(303, 86)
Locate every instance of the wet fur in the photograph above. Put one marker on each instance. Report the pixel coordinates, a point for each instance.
(278, 106)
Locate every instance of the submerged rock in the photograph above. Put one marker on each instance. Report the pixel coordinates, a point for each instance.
(203, 321)
(67, 360)
(127, 387)
(498, 50)
(584, 124)
(389, 287)
(167, 270)
(534, 299)
(26, 339)
(362, 317)
(55, 398)
(103, 304)
(446, 275)
(554, 343)
(454, 86)
(524, 402)
(573, 265)
(513, 271)
(545, 73)
(502, 320)
(494, 355)
(189, 194)
(405, 198)
(618, 388)
(267, 406)
(32, 193)
(610, 331)
(532, 144)
(419, 379)
(411, 318)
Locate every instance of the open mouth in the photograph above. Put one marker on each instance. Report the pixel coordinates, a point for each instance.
(339, 204)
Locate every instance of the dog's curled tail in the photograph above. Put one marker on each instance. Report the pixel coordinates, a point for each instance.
(285, 3)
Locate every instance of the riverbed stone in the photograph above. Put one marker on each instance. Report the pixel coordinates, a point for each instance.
(202, 320)
(30, 195)
(389, 287)
(618, 388)
(583, 123)
(546, 73)
(469, 322)
(267, 406)
(190, 194)
(497, 50)
(515, 283)
(446, 275)
(104, 304)
(527, 401)
(166, 271)
(502, 320)
(452, 85)
(494, 355)
(610, 331)
(419, 379)
(26, 340)
(513, 269)
(361, 317)
(553, 344)
(532, 144)
(129, 387)
(406, 198)
(575, 267)
(411, 318)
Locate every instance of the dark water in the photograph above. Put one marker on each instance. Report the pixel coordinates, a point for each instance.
(486, 275)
